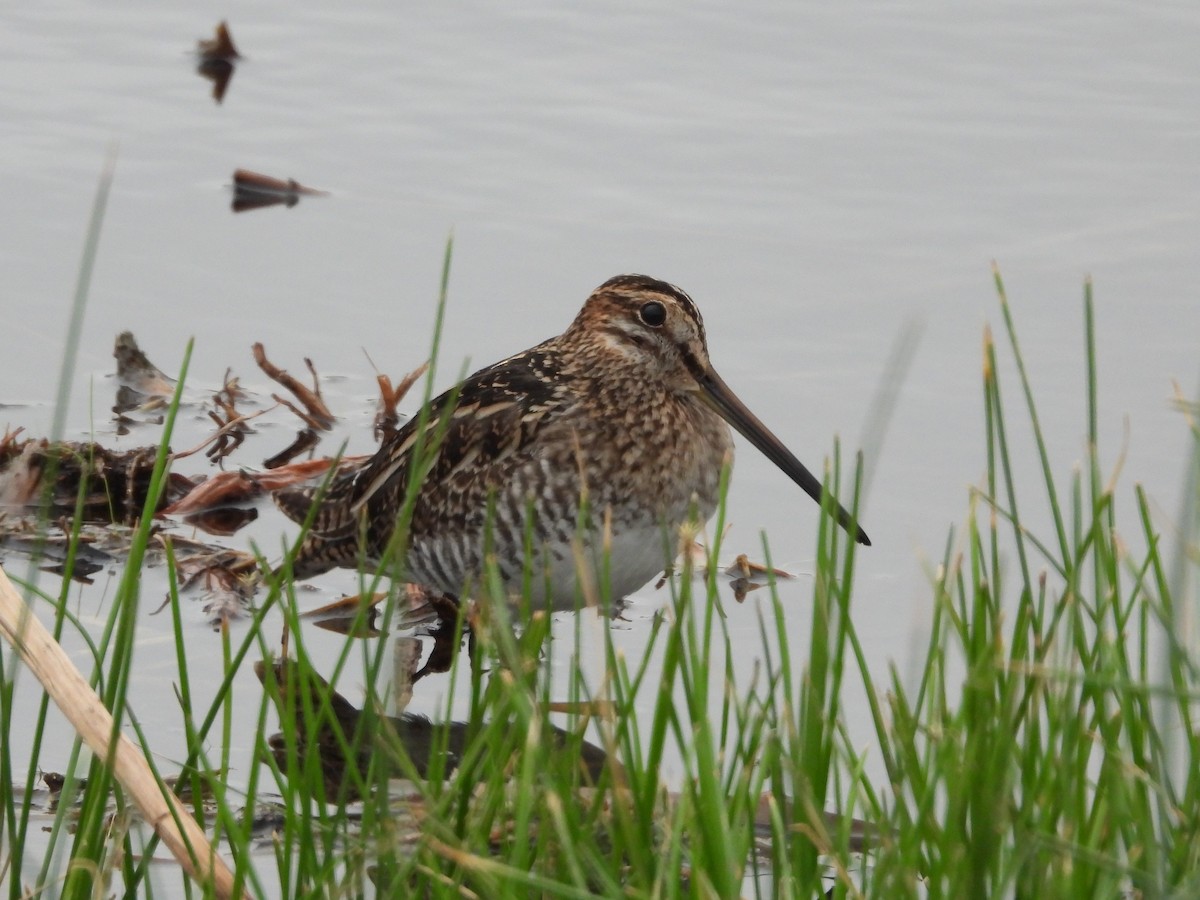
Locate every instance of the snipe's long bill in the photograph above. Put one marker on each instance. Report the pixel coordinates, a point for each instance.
(615, 432)
(749, 426)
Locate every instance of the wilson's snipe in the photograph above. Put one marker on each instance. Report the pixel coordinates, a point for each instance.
(623, 409)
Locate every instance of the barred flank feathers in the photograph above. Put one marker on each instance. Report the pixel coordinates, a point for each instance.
(335, 517)
(318, 554)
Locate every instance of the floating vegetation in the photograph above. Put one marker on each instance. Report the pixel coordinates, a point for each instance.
(217, 58)
(110, 485)
(252, 190)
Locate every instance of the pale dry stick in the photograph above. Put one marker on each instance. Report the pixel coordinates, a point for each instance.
(79, 703)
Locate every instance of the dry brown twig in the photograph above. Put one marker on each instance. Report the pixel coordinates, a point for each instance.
(231, 388)
(232, 425)
(387, 419)
(746, 568)
(318, 414)
(9, 440)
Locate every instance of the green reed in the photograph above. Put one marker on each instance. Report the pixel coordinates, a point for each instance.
(1032, 760)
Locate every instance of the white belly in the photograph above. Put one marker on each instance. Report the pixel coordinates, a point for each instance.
(606, 575)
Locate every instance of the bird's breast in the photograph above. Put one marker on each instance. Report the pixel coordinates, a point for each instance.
(608, 489)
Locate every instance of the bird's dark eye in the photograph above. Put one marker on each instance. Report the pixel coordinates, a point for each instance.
(653, 313)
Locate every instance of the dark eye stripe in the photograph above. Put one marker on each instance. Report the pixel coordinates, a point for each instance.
(631, 335)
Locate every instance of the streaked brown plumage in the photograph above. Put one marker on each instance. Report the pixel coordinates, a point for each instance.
(623, 406)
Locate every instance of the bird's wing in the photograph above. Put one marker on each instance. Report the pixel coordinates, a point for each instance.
(489, 417)
(469, 432)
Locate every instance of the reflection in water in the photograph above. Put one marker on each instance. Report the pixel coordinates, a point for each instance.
(219, 72)
(141, 386)
(56, 550)
(430, 613)
(355, 615)
(337, 729)
(306, 439)
(223, 521)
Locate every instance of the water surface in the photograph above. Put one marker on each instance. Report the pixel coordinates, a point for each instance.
(821, 179)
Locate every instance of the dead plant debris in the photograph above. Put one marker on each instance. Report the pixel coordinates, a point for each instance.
(231, 425)
(110, 485)
(219, 46)
(253, 190)
(316, 413)
(387, 419)
(216, 58)
(143, 390)
(744, 574)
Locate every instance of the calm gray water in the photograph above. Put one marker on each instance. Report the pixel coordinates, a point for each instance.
(822, 179)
